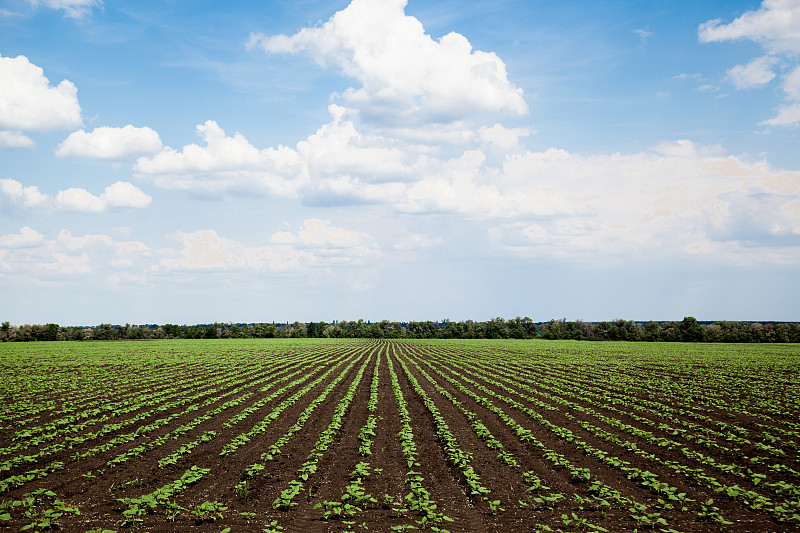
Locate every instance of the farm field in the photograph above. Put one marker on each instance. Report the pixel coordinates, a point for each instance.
(388, 435)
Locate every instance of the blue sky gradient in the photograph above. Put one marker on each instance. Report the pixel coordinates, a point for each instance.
(192, 162)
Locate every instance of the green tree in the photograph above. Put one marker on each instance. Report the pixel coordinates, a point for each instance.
(690, 330)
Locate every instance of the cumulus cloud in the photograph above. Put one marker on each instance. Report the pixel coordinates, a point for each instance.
(120, 195)
(776, 26)
(29, 103)
(224, 164)
(71, 8)
(406, 76)
(17, 194)
(339, 148)
(110, 143)
(756, 73)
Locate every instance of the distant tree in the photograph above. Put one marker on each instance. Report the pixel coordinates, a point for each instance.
(583, 330)
(652, 331)
(451, 330)
(690, 330)
(497, 328)
(315, 329)
(333, 331)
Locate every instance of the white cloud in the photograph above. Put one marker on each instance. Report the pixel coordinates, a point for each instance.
(791, 84)
(124, 194)
(338, 148)
(26, 196)
(119, 195)
(775, 25)
(505, 139)
(81, 200)
(110, 143)
(658, 202)
(15, 139)
(30, 257)
(787, 115)
(72, 8)
(643, 35)
(27, 238)
(406, 77)
(29, 102)
(756, 73)
(224, 164)
(317, 244)
(318, 233)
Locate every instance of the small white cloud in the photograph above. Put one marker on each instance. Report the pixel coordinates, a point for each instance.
(26, 196)
(77, 199)
(28, 101)
(643, 36)
(791, 84)
(15, 139)
(775, 25)
(110, 143)
(120, 195)
(688, 76)
(318, 233)
(71, 8)
(124, 194)
(756, 73)
(26, 238)
(787, 115)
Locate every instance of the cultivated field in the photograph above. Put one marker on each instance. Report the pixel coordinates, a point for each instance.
(323, 435)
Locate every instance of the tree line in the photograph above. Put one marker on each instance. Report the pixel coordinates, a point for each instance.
(687, 330)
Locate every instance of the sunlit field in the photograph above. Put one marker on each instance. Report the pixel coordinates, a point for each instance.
(357, 435)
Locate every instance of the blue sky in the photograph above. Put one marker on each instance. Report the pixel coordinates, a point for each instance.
(246, 161)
